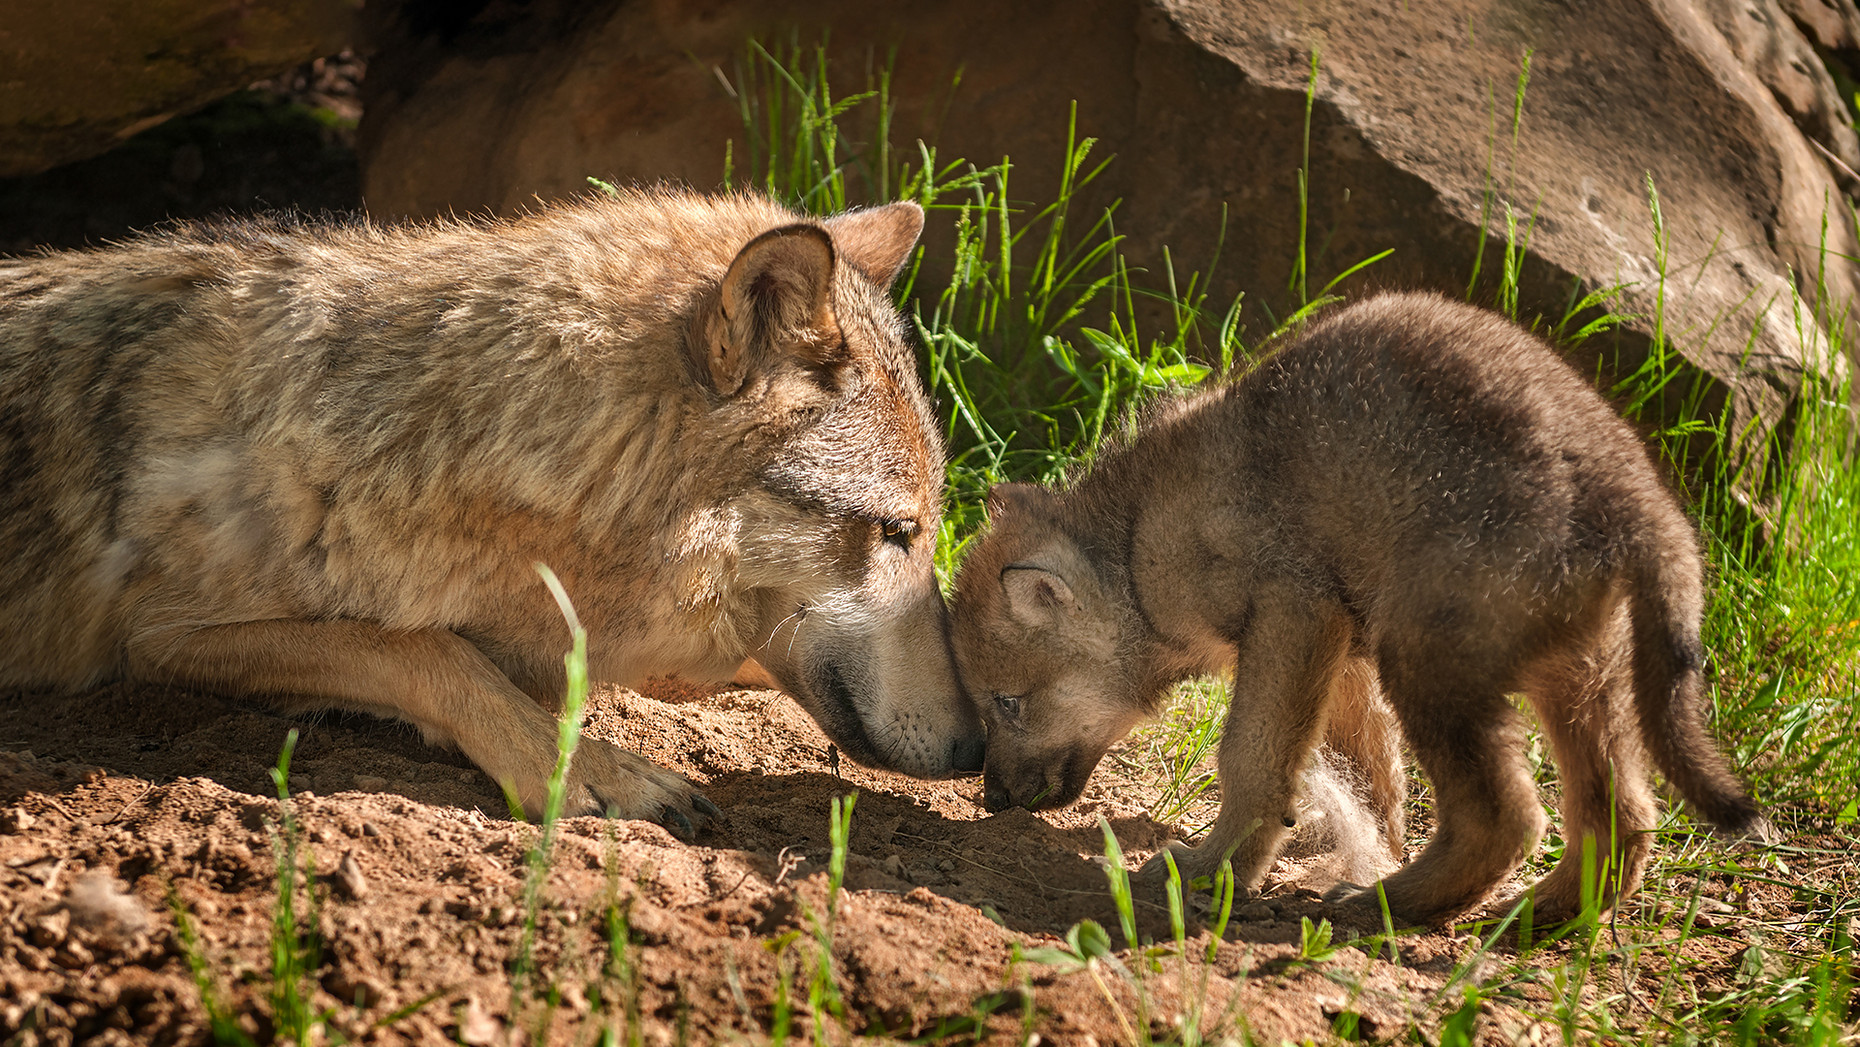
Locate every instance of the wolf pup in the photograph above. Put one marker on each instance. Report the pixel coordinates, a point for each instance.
(1414, 495)
(318, 463)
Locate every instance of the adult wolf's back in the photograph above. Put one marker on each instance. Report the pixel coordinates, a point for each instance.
(319, 463)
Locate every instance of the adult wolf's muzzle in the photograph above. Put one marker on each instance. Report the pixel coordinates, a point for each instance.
(873, 669)
(964, 753)
(895, 721)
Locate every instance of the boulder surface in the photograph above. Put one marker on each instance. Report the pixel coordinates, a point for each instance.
(78, 77)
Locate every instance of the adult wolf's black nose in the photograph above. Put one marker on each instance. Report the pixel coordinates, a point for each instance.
(966, 754)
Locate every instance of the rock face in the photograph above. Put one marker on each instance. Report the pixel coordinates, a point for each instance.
(78, 77)
(1720, 104)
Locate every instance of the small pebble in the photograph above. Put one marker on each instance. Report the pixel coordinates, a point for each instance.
(477, 1028)
(348, 878)
(73, 956)
(49, 930)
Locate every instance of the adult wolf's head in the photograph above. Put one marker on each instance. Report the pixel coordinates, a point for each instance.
(837, 537)
(1042, 645)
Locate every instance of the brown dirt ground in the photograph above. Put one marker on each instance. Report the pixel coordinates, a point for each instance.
(146, 790)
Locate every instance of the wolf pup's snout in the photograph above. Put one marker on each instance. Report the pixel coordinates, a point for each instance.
(1035, 784)
(995, 796)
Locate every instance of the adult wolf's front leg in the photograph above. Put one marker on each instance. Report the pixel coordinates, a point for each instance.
(1287, 659)
(432, 678)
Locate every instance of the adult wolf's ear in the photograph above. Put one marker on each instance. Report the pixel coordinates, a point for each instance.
(775, 300)
(1035, 596)
(878, 241)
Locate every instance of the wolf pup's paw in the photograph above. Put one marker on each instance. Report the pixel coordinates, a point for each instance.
(1188, 862)
(607, 779)
(1344, 892)
(1354, 905)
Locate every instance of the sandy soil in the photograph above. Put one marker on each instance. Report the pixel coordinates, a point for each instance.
(110, 801)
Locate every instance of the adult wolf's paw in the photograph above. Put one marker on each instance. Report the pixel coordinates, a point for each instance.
(607, 779)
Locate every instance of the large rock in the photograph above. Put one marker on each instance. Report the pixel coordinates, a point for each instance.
(1720, 104)
(79, 76)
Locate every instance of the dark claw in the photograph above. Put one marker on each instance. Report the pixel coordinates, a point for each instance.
(705, 807)
(674, 819)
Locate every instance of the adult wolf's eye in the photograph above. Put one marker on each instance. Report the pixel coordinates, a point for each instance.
(899, 532)
(1009, 704)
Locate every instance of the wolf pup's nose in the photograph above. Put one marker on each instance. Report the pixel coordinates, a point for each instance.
(995, 797)
(966, 754)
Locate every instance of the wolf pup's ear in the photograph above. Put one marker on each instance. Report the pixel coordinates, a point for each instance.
(878, 241)
(1035, 595)
(775, 300)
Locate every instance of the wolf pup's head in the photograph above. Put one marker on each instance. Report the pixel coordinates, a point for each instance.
(838, 537)
(1041, 644)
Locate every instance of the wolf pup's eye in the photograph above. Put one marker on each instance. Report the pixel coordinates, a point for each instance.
(1009, 704)
(899, 532)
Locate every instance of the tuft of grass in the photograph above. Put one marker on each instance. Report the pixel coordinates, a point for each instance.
(222, 1024)
(823, 991)
(1183, 743)
(1783, 627)
(539, 858)
(616, 992)
(826, 1007)
(296, 942)
(1088, 949)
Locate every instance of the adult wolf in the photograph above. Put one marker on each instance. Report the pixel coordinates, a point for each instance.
(317, 462)
(1415, 495)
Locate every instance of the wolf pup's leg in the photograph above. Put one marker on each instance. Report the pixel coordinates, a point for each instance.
(1470, 741)
(1289, 654)
(432, 678)
(1584, 698)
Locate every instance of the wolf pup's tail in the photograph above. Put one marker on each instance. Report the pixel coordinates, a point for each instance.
(1665, 604)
